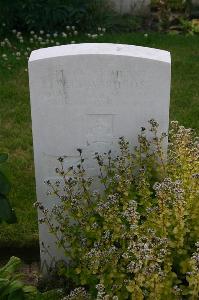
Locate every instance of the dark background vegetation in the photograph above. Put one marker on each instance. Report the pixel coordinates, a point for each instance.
(51, 15)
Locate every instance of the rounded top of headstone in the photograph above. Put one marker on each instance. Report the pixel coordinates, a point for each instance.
(101, 49)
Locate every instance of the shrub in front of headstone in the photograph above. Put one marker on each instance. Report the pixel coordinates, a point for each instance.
(138, 237)
(7, 214)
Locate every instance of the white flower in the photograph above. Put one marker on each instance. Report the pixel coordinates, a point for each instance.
(146, 35)
(76, 32)
(32, 32)
(47, 35)
(41, 32)
(14, 31)
(68, 27)
(72, 42)
(31, 40)
(94, 36)
(64, 34)
(73, 27)
(55, 34)
(57, 43)
(104, 29)
(18, 54)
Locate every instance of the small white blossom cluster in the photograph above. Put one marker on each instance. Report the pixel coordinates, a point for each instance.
(102, 295)
(195, 260)
(103, 207)
(100, 32)
(131, 214)
(77, 294)
(167, 186)
(147, 254)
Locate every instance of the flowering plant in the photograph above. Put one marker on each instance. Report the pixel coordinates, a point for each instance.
(137, 237)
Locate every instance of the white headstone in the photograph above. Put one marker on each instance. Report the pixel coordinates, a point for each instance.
(86, 96)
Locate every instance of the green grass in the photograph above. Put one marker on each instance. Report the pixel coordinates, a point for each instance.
(15, 122)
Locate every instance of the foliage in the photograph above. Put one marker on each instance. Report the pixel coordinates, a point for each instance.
(135, 239)
(51, 14)
(190, 26)
(86, 15)
(125, 23)
(11, 285)
(169, 12)
(178, 5)
(6, 212)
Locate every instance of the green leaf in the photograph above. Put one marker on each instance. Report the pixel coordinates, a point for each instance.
(4, 282)
(7, 214)
(4, 184)
(15, 285)
(3, 157)
(29, 289)
(12, 266)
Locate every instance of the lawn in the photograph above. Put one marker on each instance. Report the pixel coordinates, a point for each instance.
(15, 122)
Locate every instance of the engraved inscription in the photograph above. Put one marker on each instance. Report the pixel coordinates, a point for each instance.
(99, 127)
(103, 87)
(117, 78)
(61, 85)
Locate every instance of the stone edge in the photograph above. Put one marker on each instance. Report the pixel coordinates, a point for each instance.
(101, 49)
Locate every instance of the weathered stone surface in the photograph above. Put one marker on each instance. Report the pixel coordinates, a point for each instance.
(136, 7)
(86, 96)
(195, 2)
